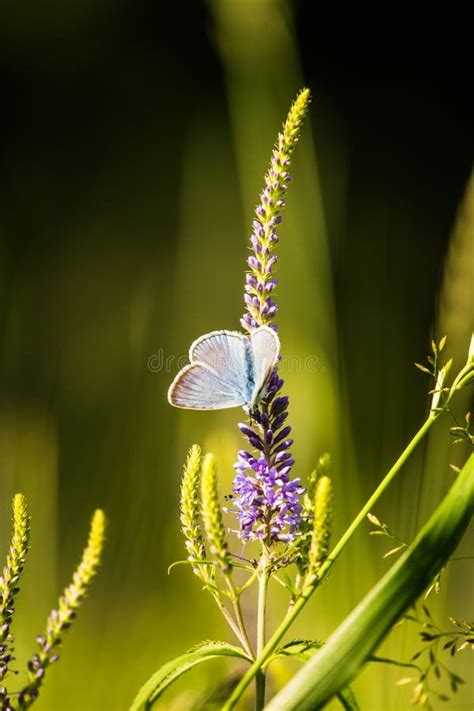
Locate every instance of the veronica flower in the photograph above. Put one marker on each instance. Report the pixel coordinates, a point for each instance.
(266, 498)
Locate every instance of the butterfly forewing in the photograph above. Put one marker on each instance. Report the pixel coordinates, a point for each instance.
(229, 355)
(266, 350)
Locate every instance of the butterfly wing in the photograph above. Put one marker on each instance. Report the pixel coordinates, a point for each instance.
(227, 369)
(219, 376)
(197, 387)
(265, 351)
(229, 355)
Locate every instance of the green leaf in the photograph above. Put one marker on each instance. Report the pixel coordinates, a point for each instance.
(348, 649)
(171, 671)
(286, 583)
(300, 648)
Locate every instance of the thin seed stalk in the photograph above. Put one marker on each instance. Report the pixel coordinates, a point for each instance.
(244, 637)
(234, 626)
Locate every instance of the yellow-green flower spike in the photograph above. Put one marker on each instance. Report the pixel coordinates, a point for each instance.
(324, 464)
(191, 510)
(322, 524)
(62, 617)
(323, 467)
(10, 578)
(212, 514)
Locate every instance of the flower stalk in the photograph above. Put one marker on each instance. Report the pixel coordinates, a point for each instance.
(61, 618)
(322, 526)
(260, 282)
(191, 512)
(10, 578)
(260, 679)
(266, 498)
(212, 515)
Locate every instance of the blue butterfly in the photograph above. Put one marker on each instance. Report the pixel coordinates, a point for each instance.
(227, 369)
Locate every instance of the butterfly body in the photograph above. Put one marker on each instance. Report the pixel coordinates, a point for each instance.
(226, 369)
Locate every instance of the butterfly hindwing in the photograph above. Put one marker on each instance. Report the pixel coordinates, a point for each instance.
(196, 387)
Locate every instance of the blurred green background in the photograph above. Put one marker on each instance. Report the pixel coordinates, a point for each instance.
(134, 139)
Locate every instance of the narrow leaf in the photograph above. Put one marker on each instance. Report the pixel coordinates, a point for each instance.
(171, 671)
(394, 550)
(301, 648)
(427, 612)
(422, 368)
(404, 681)
(395, 662)
(348, 700)
(350, 646)
(373, 519)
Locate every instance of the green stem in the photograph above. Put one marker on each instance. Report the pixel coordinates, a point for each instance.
(244, 637)
(370, 503)
(308, 590)
(259, 690)
(297, 591)
(231, 622)
(248, 583)
(261, 615)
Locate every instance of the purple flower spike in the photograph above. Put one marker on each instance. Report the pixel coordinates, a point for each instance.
(266, 499)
